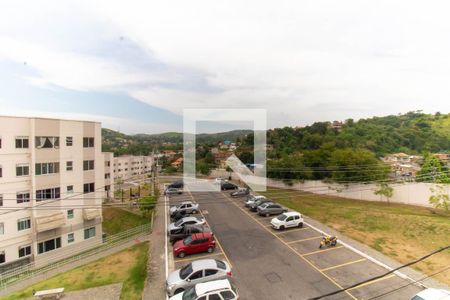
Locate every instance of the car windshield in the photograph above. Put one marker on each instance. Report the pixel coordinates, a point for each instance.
(178, 223)
(282, 217)
(190, 294)
(187, 240)
(185, 271)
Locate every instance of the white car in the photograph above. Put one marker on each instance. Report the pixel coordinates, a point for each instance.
(219, 180)
(432, 294)
(252, 199)
(195, 272)
(187, 207)
(287, 220)
(217, 289)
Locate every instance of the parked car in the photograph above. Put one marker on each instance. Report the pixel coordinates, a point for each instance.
(195, 243)
(173, 191)
(240, 192)
(268, 209)
(251, 199)
(226, 186)
(187, 231)
(219, 180)
(177, 184)
(217, 289)
(254, 206)
(180, 215)
(196, 272)
(287, 220)
(188, 206)
(178, 225)
(432, 294)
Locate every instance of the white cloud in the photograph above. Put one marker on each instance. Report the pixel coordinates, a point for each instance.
(303, 61)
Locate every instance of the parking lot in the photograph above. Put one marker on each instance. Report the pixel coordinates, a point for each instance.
(271, 264)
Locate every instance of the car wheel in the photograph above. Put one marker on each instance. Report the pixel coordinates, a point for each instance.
(194, 211)
(300, 225)
(181, 254)
(267, 214)
(210, 250)
(177, 291)
(281, 227)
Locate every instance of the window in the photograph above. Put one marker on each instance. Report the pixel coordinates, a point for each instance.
(227, 295)
(47, 142)
(88, 188)
(88, 142)
(196, 275)
(25, 251)
(2, 257)
(47, 168)
(107, 163)
(1, 171)
(23, 224)
(22, 197)
(21, 142)
(1, 200)
(214, 297)
(46, 194)
(69, 141)
(210, 272)
(0, 143)
(49, 245)
(89, 233)
(2, 228)
(69, 165)
(88, 165)
(22, 170)
(70, 189)
(70, 214)
(70, 238)
(107, 175)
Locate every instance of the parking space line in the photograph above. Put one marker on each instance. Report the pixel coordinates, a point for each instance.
(372, 281)
(324, 250)
(291, 248)
(198, 257)
(304, 240)
(217, 241)
(292, 230)
(344, 264)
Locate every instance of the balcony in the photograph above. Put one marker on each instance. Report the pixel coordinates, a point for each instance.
(91, 213)
(49, 222)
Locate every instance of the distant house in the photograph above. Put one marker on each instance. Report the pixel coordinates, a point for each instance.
(403, 165)
(214, 150)
(177, 163)
(442, 156)
(220, 158)
(337, 125)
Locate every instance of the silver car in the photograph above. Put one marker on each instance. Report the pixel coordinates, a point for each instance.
(178, 225)
(270, 208)
(187, 206)
(196, 272)
(252, 199)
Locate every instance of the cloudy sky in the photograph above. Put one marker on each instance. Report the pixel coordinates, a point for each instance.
(137, 65)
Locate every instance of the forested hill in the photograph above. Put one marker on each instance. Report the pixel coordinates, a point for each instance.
(412, 133)
(143, 144)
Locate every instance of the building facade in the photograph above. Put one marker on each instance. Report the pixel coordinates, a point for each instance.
(129, 166)
(52, 185)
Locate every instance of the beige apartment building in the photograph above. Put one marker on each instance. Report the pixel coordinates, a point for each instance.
(53, 179)
(129, 166)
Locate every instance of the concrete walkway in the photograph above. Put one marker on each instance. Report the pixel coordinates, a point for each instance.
(155, 284)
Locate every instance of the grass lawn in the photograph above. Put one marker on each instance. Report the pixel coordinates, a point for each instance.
(128, 266)
(402, 232)
(116, 220)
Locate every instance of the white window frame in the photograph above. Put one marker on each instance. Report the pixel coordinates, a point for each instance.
(24, 167)
(25, 221)
(2, 228)
(69, 168)
(69, 141)
(70, 216)
(27, 200)
(24, 247)
(89, 230)
(22, 138)
(69, 239)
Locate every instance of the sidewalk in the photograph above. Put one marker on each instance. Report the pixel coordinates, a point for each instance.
(156, 279)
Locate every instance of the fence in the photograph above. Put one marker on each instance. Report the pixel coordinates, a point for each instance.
(24, 272)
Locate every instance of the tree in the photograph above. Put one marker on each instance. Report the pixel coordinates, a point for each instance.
(433, 170)
(147, 204)
(440, 198)
(385, 190)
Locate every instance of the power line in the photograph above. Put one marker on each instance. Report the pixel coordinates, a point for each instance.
(382, 275)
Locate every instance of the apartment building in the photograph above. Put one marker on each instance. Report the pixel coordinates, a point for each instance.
(53, 177)
(129, 166)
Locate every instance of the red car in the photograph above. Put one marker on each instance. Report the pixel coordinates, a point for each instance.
(195, 243)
